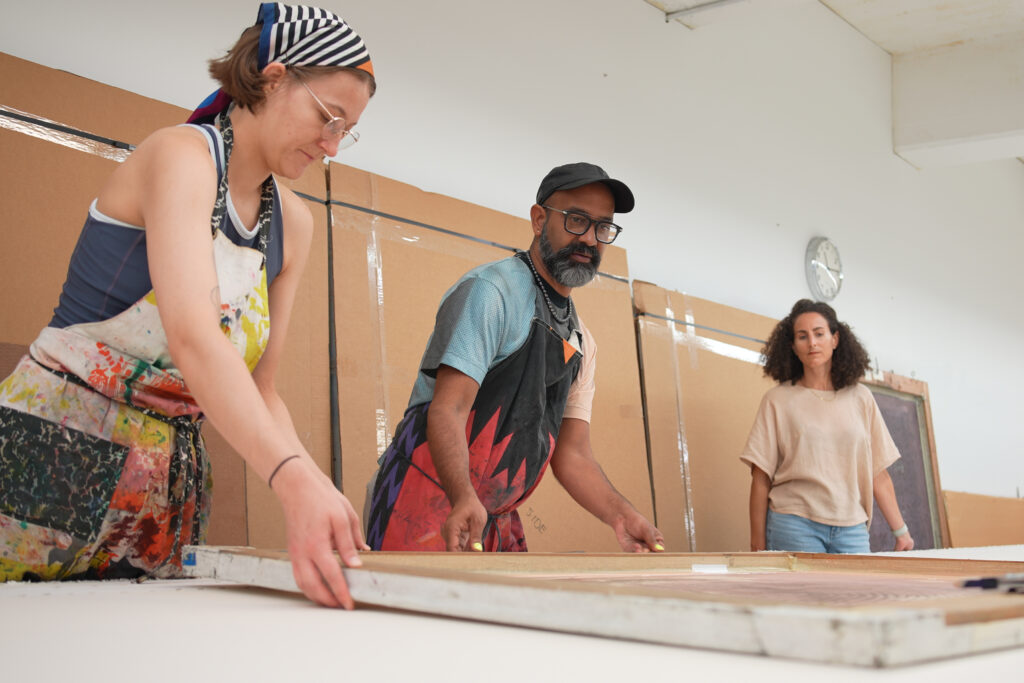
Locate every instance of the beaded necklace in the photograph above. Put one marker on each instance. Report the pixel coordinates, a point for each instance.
(564, 320)
(266, 207)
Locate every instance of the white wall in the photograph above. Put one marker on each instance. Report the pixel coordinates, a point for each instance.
(740, 140)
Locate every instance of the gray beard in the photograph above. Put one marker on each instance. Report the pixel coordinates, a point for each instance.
(567, 272)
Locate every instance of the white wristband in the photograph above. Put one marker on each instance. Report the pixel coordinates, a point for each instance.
(902, 531)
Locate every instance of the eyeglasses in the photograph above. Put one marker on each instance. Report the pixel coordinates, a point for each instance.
(577, 223)
(334, 130)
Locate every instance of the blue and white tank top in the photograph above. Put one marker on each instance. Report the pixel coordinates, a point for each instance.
(109, 270)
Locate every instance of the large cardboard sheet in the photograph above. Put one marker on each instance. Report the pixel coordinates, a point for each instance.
(46, 193)
(703, 384)
(80, 103)
(302, 376)
(977, 520)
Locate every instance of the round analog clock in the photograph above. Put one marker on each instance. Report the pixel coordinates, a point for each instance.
(824, 269)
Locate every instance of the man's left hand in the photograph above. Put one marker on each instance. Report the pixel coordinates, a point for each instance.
(637, 535)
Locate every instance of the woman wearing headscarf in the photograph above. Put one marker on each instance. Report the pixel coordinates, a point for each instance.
(819, 448)
(175, 307)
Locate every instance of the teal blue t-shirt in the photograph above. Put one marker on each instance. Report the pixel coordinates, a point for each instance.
(483, 319)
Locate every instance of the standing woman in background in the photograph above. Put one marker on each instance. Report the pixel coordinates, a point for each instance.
(819, 448)
(175, 307)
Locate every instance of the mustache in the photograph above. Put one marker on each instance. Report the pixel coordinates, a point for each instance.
(580, 248)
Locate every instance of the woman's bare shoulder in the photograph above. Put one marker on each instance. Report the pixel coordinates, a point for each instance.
(178, 156)
(295, 211)
(174, 142)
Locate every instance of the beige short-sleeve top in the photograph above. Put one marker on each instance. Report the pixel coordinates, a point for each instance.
(821, 451)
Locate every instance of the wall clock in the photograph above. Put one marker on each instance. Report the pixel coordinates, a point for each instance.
(824, 269)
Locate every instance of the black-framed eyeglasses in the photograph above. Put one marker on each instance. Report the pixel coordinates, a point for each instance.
(577, 223)
(334, 130)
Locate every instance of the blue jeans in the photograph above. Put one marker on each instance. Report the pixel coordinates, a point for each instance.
(799, 534)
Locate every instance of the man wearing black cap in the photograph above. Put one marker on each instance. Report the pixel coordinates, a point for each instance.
(505, 388)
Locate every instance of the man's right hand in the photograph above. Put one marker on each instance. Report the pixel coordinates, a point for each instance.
(464, 528)
(454, 393)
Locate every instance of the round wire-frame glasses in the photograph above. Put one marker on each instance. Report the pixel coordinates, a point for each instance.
(334, 129)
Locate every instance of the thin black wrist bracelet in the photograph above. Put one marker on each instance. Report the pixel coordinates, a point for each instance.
(270, 480)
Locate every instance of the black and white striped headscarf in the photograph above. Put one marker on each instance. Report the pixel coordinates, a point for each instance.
(308, 36)
(296, 35)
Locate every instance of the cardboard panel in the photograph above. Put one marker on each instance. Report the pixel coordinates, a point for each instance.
(417, 267)
(81, 103)
(47, 189)
(391, 273)
(362, 416)
(228, 514)
(976, 520)
(302, 377)
(406, 201)
(667, 456)
(698, 419)
(720, 396)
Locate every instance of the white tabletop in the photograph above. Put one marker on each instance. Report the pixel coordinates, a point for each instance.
(200, 630)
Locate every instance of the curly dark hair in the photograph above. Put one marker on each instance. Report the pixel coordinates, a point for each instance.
(849, 360)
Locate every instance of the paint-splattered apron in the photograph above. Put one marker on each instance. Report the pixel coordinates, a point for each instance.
(511, 432)
(103, 473)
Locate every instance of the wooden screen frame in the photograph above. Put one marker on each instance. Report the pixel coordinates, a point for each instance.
(919, 390)
(550, 591)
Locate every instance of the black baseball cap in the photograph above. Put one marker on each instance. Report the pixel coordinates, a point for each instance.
(571, 176)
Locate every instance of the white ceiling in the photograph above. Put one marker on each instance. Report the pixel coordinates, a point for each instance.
(901, 26)
(958, 68)
(897, 26)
